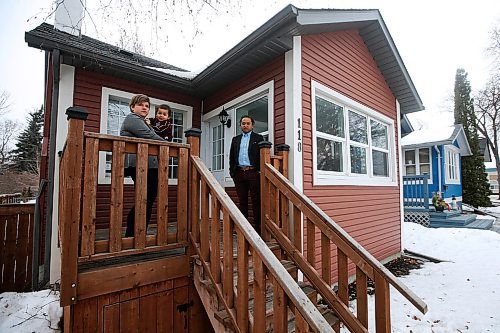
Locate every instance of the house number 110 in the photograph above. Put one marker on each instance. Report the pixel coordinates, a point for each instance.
(299, 139)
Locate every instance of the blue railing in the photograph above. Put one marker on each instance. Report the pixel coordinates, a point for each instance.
(416, 191)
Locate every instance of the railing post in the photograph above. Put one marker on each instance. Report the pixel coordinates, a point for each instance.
(265, 157)
(193, 139)
(426, 192)
(70, 209)
(283, 150)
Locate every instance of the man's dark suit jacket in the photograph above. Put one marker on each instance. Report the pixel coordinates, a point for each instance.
(253, 152)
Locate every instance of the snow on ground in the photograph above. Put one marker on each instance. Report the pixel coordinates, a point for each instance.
(461, 293)
(29, 312)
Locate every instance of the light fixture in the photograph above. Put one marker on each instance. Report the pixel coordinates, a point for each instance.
(224, 118)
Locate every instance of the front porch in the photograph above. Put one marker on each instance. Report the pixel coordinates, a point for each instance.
(187, 274)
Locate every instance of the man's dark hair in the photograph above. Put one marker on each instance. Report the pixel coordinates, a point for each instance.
(247, 116)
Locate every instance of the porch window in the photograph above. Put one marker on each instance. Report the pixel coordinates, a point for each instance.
(353, 144)
(114, 109)
(417, 162)
(452, 172)
(257, 109)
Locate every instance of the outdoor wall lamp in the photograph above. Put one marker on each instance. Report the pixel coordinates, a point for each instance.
(224, 118)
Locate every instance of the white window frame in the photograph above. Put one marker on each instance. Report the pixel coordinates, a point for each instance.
(254, 94)
(321, 177)
(417, 162)
(451, 152)
(119, 94)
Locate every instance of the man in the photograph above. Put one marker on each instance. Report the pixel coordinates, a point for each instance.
(244, 163)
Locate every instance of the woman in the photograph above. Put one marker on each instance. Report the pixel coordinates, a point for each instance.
(134, 125)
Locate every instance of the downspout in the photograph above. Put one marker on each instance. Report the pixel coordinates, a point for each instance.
(56, 65)
(439, 167)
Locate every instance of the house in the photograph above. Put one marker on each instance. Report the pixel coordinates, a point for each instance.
(329, 84)
(437, 153)
(493, 179)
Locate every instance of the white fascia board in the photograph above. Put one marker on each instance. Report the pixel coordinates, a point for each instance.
(65, 100)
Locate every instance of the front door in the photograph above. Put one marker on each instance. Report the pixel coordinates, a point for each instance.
(216, 159)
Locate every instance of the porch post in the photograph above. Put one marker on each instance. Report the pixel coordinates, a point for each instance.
(70, 200)
(193, 139)
(265, 157)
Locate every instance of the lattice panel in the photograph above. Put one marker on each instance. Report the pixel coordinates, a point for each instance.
(422, 218)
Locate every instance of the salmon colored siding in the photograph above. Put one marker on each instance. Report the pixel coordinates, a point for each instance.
(370, 214)
(272, 71)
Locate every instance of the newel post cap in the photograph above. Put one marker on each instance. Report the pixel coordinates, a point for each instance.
(75, 112)
(192, 132)
(282, 147)
(265, 144)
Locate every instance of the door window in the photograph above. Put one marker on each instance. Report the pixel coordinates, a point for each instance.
(258, 110)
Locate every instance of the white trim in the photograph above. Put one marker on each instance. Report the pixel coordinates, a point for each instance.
(65, 100)
(106, 93)
(456, 155)
(293, 118)
(231, 106)
(400, 173)
(345, 177)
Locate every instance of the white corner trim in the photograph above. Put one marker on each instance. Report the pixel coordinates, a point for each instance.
(65, 100)
(400, 173)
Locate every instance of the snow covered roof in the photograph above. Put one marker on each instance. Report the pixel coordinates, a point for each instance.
(438, 136)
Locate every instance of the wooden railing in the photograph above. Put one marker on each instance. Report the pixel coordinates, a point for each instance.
(278, 194)
(416, 191)
(78, 192)
(210, 204)
(16, 247)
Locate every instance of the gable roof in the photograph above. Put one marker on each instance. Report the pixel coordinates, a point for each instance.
(484, 149)
(438, 136)
(273, 38)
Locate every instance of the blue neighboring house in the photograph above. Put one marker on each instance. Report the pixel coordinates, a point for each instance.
(437, 153)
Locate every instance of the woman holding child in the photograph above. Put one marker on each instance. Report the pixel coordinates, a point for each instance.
(136, 125)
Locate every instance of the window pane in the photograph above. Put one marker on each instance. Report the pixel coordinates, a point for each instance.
(379, 134)
(329, 156)
(329, 117)
(358, 160)
(380, 165)
(425, 169)
(423, 155)
(410, 170)
(410, 157)
(177, 125)
(258, 110)
(358, 128)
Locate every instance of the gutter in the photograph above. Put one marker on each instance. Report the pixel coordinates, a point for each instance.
(56, 65)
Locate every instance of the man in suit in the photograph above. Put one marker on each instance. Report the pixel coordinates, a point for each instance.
(244, 163)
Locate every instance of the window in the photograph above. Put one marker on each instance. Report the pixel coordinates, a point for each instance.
(114, 109)
(218, 148)
(418, 162)
(451, 162)
(258, 110)
(353, 145)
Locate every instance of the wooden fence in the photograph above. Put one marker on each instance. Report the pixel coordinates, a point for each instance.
(416, 191)
(16, 246)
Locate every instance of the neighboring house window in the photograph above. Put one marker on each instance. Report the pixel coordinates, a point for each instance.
(452, 172)
(418, 162)
(352, 144)
(114, 109)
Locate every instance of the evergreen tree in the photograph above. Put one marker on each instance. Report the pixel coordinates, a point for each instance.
(475, 187)
(29, 144)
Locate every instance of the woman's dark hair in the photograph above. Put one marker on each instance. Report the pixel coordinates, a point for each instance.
(247, 116)
(164, 107)
(138, 99)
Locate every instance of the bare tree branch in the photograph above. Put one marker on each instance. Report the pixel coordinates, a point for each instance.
(4, 103)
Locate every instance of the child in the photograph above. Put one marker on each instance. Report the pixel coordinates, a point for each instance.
(162, 122)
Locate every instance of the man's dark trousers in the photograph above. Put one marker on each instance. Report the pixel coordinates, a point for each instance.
(249, 181)
(152, 188)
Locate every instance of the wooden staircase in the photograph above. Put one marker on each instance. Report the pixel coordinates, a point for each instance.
(245, 282)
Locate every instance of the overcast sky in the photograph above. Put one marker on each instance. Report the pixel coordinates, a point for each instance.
(434, 38)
